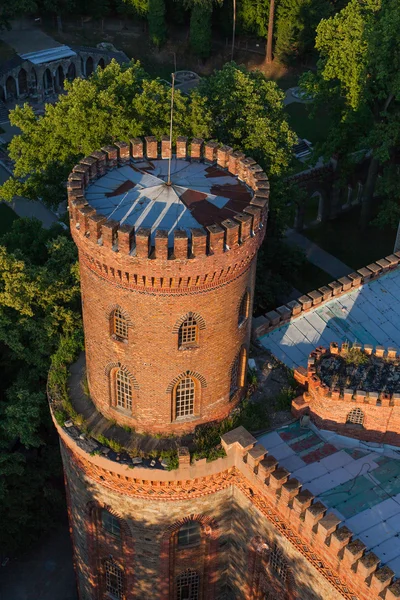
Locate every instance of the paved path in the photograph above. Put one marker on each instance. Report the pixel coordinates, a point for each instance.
(44, 573)
(317, 256)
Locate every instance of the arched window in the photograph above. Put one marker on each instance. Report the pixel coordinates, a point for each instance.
(23, 82)
(187, 585)
(110, 523)
(89, 66)
(244, 308)
(101, 63)
(238, 371)
(123, 389)
(119, 325)
(188, 333)
(114, 580)
(278, 564)
(355, 416)
(71, 73)
(184, 396)
(189, 534)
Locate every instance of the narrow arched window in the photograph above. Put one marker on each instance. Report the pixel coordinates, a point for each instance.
(123, 389)
(189, 534)
(184, 397)
(187, 585)
(110, 523)
(244, 308)
(119, 325)
(235, 375)
(188, 333)
(355, 416)
(114, 580)
(278, 564)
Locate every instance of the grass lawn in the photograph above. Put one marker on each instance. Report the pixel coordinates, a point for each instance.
(7, 216)
(315, 129)
(342, 238)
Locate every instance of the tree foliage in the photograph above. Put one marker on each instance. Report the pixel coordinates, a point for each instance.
(39, 301)
(156, 19)
(200, 29)
(358, 77)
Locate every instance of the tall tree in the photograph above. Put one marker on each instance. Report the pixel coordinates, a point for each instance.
(115, 103)
(156, 19)
(358, 76)
(270, 30)
(200, 27)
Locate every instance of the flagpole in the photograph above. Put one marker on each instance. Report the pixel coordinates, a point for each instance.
(170, 130)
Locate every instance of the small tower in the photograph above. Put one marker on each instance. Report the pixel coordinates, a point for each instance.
(167, 279)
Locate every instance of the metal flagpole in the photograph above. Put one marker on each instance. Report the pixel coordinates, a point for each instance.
(170, 130)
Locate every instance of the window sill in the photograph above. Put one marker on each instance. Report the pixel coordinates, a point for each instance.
(188, 347)
(116, 338)
(186, 419)
(122, 411)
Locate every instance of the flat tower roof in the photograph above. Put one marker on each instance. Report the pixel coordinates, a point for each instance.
(369, 314)
(199, 195)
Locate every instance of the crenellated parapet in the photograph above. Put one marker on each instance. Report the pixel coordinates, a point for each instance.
(313, 530)
(353, 390)
(222, 242)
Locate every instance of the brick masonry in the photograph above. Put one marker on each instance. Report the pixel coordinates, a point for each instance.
(329, 408)
(155, 288)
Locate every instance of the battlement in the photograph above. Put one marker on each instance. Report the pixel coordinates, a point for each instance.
(292, 509)
(120, 202)
(352, 390)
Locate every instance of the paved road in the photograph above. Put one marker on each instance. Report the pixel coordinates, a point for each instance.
(45, 573)
(317, 256)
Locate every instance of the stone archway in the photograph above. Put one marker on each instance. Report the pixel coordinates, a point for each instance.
(33, 81)
(71, 73)
(101, 63)
(89, 67)
(2, 94)
(60, 77)
(11, 88)
(22, 82)
(48, 82)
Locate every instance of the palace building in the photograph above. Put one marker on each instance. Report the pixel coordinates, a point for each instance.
(167, 251)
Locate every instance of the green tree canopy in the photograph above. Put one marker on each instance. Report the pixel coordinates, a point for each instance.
(358, 77)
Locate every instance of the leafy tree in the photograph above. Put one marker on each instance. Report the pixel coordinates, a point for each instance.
(200, 28)
(156, 18)
(358, 76)
(39, 301)
(296, 22)
(253, 16)
(14, 8)
(247, 113)
(115, 103)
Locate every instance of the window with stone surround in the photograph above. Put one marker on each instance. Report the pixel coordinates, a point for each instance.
(355, 417)
(110, 523)
(184, 397)
(278, 563)
(188, 585)
(114, 580)
(189, 534)
(244, 309)
(188, 333)
(119, 325)
(123, 389)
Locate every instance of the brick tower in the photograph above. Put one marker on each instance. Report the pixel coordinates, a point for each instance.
(167, 279)
(167, 275)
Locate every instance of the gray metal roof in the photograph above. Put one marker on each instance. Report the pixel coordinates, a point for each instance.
(137, 194)
(369, 314)
(43, 56)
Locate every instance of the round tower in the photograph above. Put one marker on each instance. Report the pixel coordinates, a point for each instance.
(167, 277)
(167, 253)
